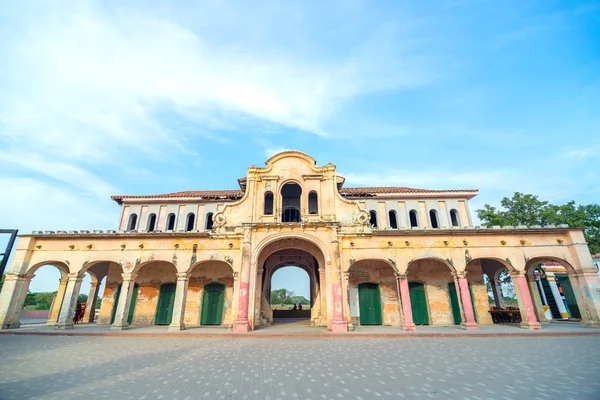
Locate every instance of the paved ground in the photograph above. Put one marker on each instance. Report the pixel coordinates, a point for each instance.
(43, 367)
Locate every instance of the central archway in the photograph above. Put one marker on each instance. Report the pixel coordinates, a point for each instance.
(291, 252)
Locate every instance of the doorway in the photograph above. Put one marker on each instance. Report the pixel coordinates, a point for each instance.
(369, 302)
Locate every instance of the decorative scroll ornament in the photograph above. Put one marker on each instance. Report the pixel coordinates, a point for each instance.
(219, 219)
(363, 217)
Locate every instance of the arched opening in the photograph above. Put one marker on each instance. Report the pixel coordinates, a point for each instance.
(209, 221)
(433, 218)
(210, 294)
(45, 294)
(132, 224)
(454, 217)
(373, 293)
(296, 260)
(313, 203)
(151, 223)
(555, 291)
(268, 203)
(373, 219)
(190, 222)
(503, 300)
(393, 219)
(290, 293)
(290, 195)
(171, 222)
(430, 282)
(414, 221)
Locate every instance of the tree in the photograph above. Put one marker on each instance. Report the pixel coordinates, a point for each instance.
(300, 299)
(527, 209)
(282, 296)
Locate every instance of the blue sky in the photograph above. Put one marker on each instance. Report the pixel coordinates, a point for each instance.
(134, 97)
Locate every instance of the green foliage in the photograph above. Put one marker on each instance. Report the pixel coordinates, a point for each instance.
(282, 296)
(82, 298)
(300, 299)
(39, 301)
(527, 209)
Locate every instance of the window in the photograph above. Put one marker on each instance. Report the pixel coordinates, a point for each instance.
(393, 219)
(414, 221)
(454, 217)
(132, 222)
(268, 203)
(290, 196)
(171, 222)
(433, 217)
(209, 221)
(191, 219)
(313, 203)
(151, 223)
(373, 219)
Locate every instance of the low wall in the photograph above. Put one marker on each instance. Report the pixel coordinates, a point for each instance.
(35, 314)
(291, 314)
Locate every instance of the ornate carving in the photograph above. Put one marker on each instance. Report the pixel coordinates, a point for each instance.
(362, 217)
(219, 219)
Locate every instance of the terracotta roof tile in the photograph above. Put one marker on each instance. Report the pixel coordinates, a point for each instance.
(236, 194)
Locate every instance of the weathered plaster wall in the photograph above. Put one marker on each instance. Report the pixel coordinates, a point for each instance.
(113, 279)
(203, 274)
(436, 276)
(382, 274)
(150, 278)
(482, 305)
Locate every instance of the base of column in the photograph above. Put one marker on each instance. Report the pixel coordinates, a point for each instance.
(114, 327)
(531, 325)
(590, 324)
(9, 325)
(51, 323)
(241, 325)
(409, 327)
(176, 328)
(339, 325)
(64, 326)
(469, 326)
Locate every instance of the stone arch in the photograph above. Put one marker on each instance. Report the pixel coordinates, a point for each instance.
(62, 266)
(435, 258)
(278, 242)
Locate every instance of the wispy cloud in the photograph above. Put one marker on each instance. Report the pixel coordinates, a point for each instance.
(585, 152)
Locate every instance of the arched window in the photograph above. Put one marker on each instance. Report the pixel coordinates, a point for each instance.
(393, 219)
(313, 203)
(151, 222)
(433, 217)
(191, 219)
(414, 221)
(290, 196)
(132, 222)
(373, 219)
(171, 222)
(268, 203)
(454, 217)
(209, 221)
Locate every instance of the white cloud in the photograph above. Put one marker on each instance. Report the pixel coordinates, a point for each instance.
(585, 152)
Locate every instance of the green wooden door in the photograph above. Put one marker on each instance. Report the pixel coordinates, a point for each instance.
(134, 296)
(418, 303)
(164, 309)
(369, 303)
(213, 297)
(454, 303)
(473, 303)
(567, 289)
(115, 304)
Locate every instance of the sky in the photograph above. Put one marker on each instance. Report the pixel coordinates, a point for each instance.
(128, 97)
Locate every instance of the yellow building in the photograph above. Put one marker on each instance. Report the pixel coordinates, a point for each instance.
(374, 256)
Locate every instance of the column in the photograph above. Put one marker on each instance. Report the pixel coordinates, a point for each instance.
(123, 303)
(497, 291)
(12, 299)
(90, 310)
(338, 322)
(242, 324)
(177, 323)
(408, 324)
(57, 302)
(586, 285)
(556, 294)
(468, 322)
(538, 306)
(67, 311)
(529, 320)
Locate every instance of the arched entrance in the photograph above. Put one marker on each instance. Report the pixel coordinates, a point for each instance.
(290, 292)
(369, 300)
(213, 298)
(290, 202)
(296, 252)
(210, 294)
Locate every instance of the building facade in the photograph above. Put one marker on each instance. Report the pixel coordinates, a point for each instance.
(374, 256)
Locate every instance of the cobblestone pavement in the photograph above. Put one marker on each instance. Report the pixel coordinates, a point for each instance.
(39, 367)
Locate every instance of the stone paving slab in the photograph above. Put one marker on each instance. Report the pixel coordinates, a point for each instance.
(301, 368)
